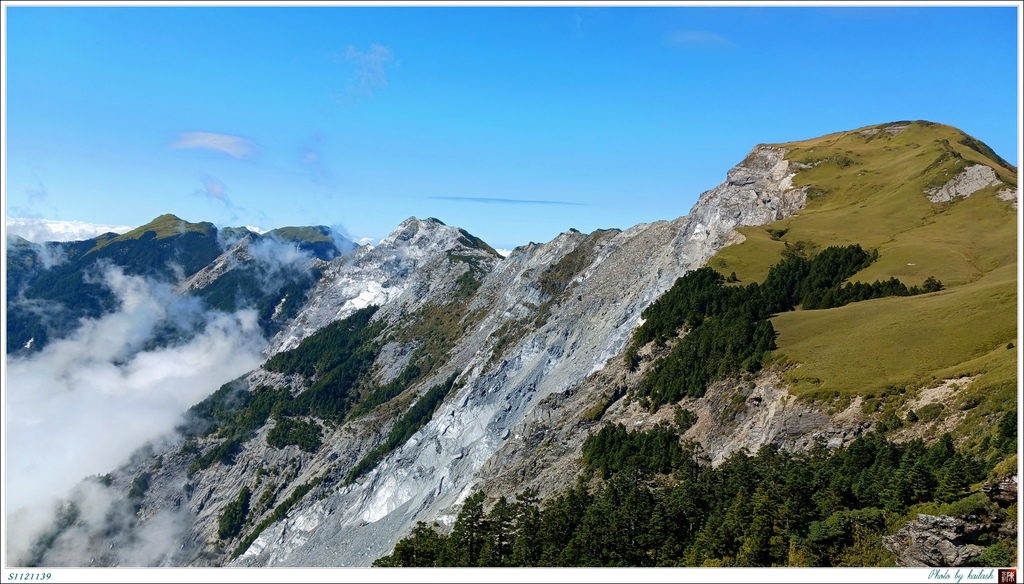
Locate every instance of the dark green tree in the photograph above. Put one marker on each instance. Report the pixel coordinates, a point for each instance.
(497, 547)
(423, 548)
(526, 547)
(233, 518)
(465, 544)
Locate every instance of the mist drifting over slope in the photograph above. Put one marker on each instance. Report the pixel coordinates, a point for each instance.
(84, 403)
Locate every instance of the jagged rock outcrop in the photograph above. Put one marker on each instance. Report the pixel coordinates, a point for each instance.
(970, 180)
(733, 416)
(1008, 194)
(757, 191)
(1004, 491)
(936, 540)
(406, 270)
(236, 254)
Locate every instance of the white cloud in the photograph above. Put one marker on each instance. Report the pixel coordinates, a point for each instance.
(370, 68)
(235, 146)
(40, 230)
(276, 257)
(101, 514)
(37, 193)
(503, 252)
(214, 188)
(83, 404)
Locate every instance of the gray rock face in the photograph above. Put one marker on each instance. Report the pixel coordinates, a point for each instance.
(507, 377)
(1004, 491)
(406, 270)
(550, 321)
(757, 191)
(971, 180)
(935, 540)
(733, 416)
(1008, 194)
(236, 254)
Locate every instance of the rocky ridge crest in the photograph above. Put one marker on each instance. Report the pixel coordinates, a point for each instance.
(536, 349)
(589, 313)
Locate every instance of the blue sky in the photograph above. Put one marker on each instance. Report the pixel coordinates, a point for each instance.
(513, 123)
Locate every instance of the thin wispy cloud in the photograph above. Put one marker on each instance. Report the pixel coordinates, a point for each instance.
(315, 169)
(498, 201)
(37, 202)
(370, 68)
(42, 230)
(37, 193)
(312, 160)
(577, 22)
(698, 38)
(213, 188)
(234, 146)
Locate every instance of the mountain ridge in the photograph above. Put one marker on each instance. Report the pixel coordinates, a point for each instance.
(533, 343)
(66, 276)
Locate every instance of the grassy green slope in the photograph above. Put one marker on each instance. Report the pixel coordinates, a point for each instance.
(868, 187)
(302, 234)
(164, 226)
(868, 347)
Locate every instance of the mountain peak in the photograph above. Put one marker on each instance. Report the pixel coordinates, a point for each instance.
(914, 134)
(307, 233)
(421, 231)
(415, 229)
(429, 222)
(168, 225)
(324, 242)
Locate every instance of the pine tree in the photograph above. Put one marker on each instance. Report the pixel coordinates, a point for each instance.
(465, 544)
(526, 547)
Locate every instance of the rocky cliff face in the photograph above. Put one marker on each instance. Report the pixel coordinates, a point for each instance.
(936, 540)
(535, 343)
(541, 330)
(408, 269)
(757, 191)
(554, 315)
(236, 254)
(969, 181)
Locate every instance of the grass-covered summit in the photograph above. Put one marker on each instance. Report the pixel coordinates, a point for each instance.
(875, 295)
(163, 227)
(871, 187)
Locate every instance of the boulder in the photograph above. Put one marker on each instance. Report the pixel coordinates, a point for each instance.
(936, 540)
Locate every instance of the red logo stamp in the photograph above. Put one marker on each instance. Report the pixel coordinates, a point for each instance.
(1008, 576)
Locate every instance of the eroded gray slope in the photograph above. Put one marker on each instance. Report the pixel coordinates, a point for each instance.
(399, 274)
(540, 323)
(586, 324)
